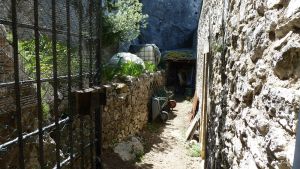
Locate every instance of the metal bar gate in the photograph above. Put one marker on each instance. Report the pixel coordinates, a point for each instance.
(48, 50)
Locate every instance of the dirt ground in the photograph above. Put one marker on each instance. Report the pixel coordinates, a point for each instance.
(164, 145)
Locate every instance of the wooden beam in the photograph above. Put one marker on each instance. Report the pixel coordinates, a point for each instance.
(203, 122)
(192, 127)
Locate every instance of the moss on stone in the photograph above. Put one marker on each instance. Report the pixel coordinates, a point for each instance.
(178, 54)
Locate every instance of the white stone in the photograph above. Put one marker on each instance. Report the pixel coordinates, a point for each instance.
(243, 10)
(290, 150)
(247, 162)
(293, 8)
(277, 138)
(237, 146)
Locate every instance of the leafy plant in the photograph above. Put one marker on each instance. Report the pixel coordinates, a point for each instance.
(194, 150)
(131, 69)
(27, 51)
(109, 72)
(122, 20)
(150, 67)
(123, 69)
(139, 156)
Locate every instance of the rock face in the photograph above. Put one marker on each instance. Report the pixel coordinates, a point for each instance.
(171, 24)
(254, 81)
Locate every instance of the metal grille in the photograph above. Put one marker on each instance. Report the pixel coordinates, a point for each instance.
(48, 50)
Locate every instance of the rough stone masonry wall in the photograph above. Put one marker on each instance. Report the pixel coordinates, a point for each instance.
(254, 81)
(127, 108)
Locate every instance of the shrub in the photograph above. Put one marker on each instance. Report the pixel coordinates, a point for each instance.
(123, 69)
(27, 51)
(131, 69)
(194, 150)
(122, 21)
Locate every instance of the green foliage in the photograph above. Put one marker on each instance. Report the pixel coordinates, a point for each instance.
(194, 150)
(113, 143)
(153, 127)
(178, 54)
(122, 20)
(139, 156)
(27, 51)
(109, 72)
(217, 48)
(150, 67)
(46, 111)
(124, 69)
(131, 69)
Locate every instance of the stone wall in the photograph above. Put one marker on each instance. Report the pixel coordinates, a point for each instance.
(253, 81)
(127, 109)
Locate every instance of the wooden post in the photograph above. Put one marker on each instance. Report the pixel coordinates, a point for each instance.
(203, 121)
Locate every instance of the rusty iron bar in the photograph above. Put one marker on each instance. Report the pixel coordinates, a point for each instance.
(55, 84)
(90, 47)
(38, 82)
(95, 141)
(70, 100)
(98, 111)
(27, 82)
(81, 128)
(18, 112)
(29, 135)
(43, 29)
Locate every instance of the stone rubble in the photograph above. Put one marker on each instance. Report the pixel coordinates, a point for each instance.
(129, 150)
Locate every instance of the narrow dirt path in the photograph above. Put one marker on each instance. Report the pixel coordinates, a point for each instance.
(171, 151)
(164, 145)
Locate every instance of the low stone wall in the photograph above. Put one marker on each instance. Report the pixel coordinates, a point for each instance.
(127, 108)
